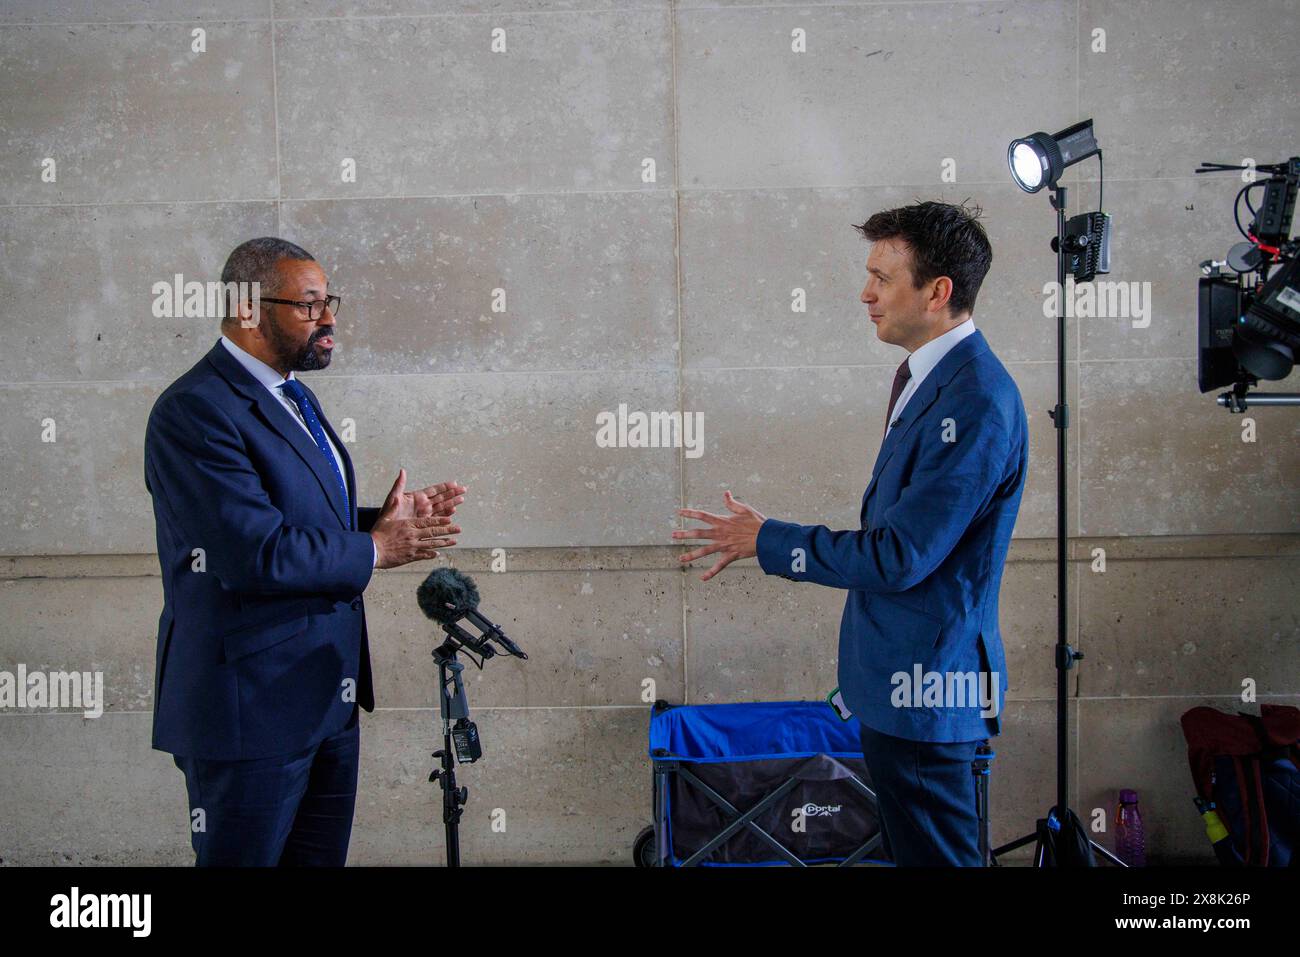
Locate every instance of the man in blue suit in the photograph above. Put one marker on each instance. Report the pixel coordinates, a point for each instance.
(263, 656)
(921, 664)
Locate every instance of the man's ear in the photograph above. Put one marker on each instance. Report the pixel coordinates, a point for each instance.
(940, 294)
(252, 314)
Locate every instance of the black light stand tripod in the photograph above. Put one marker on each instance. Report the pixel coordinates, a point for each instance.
(1053, 843)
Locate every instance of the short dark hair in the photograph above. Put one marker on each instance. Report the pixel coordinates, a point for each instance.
(254, 261)
(945, 240)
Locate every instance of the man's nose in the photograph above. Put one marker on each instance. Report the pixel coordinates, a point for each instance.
(867, 296)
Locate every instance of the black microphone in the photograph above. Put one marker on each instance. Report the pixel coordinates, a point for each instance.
(447, 596)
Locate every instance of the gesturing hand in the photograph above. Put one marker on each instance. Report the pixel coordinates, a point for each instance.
(412, 526)
(440, 499)
(733, 536)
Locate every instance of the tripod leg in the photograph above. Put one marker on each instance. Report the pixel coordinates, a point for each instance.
(1018, 842)
(1106, 853)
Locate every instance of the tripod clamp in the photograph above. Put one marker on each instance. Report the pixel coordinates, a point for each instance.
(453, 806)
(1066, 656)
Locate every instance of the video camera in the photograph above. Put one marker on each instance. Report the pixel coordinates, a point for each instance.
(1249, 303)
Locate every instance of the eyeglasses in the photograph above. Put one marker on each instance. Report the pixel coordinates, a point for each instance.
(315, 307)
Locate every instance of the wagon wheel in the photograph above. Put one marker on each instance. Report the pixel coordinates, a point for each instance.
(643, 848)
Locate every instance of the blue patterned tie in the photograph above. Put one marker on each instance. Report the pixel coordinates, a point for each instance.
(294, 390)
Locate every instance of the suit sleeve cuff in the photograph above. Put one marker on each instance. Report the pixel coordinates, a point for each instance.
(776, 540)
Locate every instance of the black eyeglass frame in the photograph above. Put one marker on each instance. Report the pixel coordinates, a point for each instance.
(329, 302)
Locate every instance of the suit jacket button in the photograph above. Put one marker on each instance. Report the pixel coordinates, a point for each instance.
(356, 604)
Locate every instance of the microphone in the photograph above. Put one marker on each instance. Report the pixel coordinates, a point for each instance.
(448, 596)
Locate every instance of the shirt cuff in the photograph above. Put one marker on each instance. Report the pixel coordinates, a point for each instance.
(375, 546)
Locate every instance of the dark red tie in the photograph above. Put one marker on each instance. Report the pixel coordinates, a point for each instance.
(900, 382)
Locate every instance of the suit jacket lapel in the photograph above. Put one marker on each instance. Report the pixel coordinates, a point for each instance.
(956, 357)
(349, 475)
(282, 421)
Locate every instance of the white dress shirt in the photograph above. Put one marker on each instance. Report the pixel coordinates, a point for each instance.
(922, 362)
(272, 380)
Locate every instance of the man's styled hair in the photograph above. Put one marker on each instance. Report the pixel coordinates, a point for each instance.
(945, 240)
(254, 261)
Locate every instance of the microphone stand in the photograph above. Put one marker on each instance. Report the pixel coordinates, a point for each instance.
(453, 706)
(460, 739)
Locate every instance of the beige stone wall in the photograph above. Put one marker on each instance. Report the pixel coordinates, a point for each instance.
(523, 172)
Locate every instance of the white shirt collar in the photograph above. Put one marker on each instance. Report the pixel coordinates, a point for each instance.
(258, 369)
(922, 362)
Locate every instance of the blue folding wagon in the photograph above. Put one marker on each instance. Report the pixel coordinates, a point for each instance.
(758, 784)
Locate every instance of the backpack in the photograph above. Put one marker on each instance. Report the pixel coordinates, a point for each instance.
(1248, 769)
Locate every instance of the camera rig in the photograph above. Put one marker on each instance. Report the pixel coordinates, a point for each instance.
(1249, 302)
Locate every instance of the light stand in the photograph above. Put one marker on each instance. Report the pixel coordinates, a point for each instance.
(1047, 829)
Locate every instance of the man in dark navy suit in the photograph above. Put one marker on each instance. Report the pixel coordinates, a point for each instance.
(921, 664)
(263, 657)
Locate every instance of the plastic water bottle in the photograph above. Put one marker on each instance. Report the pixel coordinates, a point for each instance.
(1130, 841)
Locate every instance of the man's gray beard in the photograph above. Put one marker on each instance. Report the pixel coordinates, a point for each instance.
(305, 359)
(309, 359)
